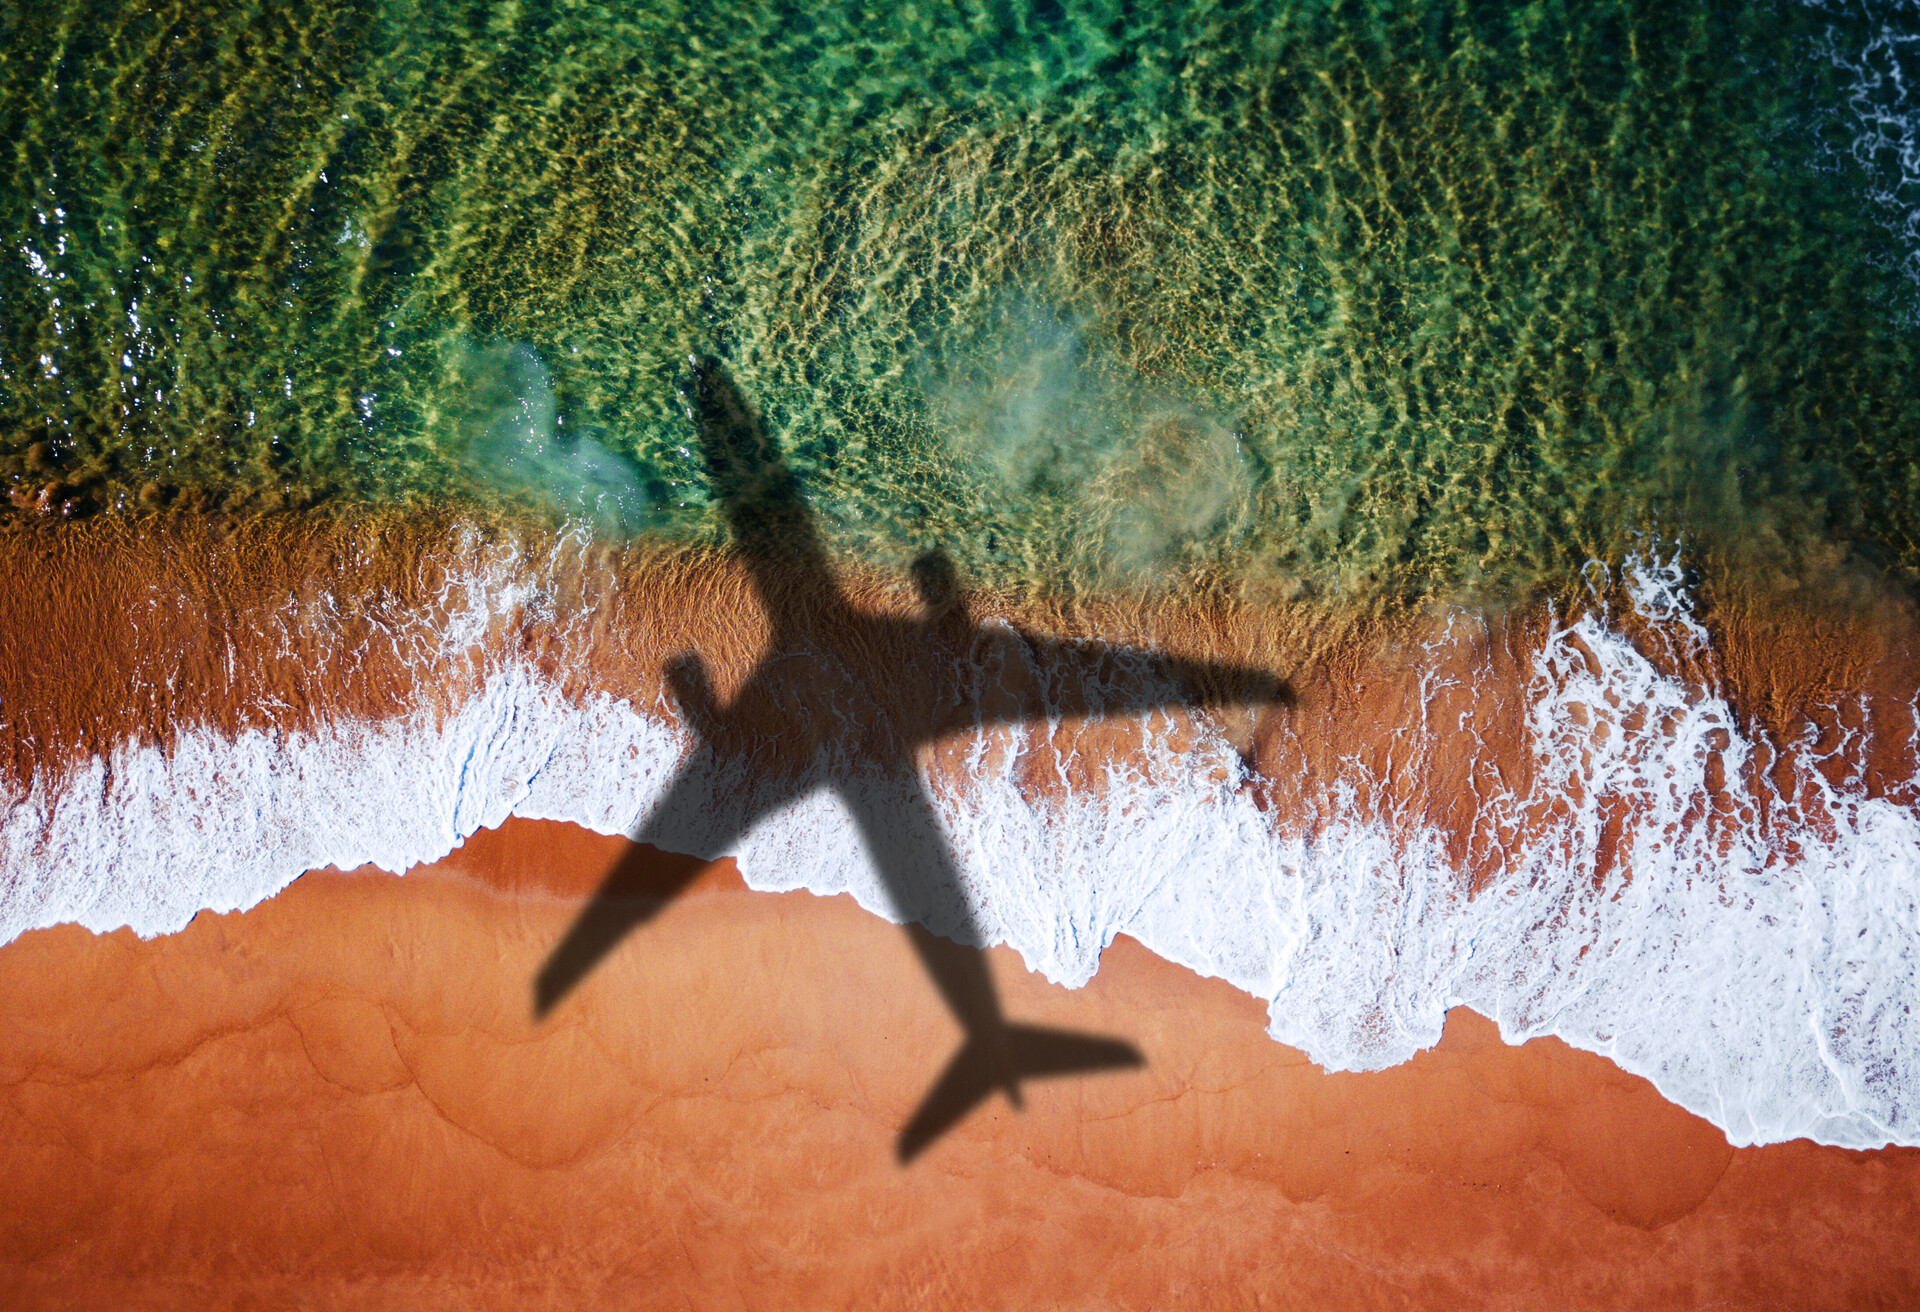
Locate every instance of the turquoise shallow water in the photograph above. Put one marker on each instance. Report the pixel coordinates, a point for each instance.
(1346, 299)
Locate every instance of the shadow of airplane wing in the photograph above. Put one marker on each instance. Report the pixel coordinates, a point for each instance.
(907, 844)
(636, 890)
(1093, 678)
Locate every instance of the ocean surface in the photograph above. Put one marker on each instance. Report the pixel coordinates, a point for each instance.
(1515, 344)
(1394, 299)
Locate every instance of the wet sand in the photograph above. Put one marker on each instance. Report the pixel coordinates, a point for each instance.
(339, 1099)
(118, 630)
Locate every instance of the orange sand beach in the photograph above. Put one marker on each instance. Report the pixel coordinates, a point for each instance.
(339, 1097)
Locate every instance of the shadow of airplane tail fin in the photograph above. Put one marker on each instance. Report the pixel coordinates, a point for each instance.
(999, 1059)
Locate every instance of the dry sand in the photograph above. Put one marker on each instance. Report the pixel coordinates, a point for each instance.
(339, 1099)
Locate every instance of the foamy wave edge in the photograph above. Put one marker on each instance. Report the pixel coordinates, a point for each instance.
(1772, 996)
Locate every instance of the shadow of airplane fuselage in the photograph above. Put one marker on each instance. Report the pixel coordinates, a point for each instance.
(773, 534)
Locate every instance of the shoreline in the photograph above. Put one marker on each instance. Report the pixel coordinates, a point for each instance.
(1628, 826)
(340, 1095)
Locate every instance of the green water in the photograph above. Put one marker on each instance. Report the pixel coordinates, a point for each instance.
(1389, 298)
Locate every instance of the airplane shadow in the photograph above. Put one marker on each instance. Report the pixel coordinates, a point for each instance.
(813, 622)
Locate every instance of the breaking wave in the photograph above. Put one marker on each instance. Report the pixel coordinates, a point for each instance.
(1650, 879)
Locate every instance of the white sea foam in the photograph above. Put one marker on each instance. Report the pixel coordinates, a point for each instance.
(1758, 964)
(1876, 48)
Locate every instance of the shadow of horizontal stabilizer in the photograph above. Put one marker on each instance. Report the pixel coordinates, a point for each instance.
(1000, 1059)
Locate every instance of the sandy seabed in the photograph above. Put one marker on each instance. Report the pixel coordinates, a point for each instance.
(340, 1099)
